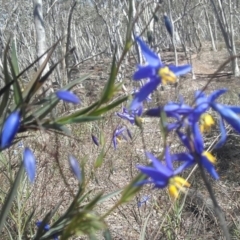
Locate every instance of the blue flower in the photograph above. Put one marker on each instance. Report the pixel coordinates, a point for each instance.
(165, 175)
(10, 129)
(68, 96)
(194, 143)
(227, 113)
(131, 115)
(73, 162)
(29, 164)
(156, 72)
(46, 228)
(118, 135)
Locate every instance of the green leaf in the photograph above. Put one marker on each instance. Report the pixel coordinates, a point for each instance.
(98, 163)
(13, 62)
(48, 104)
(109, 107)
(7, 79)
(5, 209)
(108, 91)
(38, 79)
(163, 124)
(80, 119)
(110, 195)
(14, 59)
(130, 191)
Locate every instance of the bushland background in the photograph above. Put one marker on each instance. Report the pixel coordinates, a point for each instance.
(206, 35)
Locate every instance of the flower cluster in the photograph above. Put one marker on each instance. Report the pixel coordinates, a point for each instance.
(188, 122)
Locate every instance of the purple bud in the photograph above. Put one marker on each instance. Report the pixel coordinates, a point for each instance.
(46, 227)
(68, 96)
(129, 133)
(75, 167)
(95, 140)
(10, 129)
(29, 164)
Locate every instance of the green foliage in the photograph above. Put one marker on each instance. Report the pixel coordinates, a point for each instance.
(37, 112)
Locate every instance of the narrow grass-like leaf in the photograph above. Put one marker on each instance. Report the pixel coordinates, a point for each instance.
(26, 225)
(10, 197)
(51, 101)
(17, 93)
(14, 59)
(163, 124)
(7, 79)
(99, 161)
(109, 107)
(130, 191)
(37, 82)
(110, 195)
(6, 88)
(80, 119)
(108, 91)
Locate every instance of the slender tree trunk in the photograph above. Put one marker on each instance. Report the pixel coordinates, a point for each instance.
(40, 37)
(210, 30)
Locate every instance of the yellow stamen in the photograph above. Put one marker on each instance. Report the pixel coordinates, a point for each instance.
(177, 184)
(210, 157)
(173, 191)
(206, 122)
(119, 139)
(166, 75)
(179, 181)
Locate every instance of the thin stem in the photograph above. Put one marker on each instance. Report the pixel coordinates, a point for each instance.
(217, 208)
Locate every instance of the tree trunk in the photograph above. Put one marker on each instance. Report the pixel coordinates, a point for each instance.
(40, 39)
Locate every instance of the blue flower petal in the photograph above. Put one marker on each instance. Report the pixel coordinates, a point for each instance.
(183, 157)
(235, 109)
(160, 180)
(197, 138)
(180, 70)
(223, 134)
(144, 72)
(73, 162)
(68, 96)
(216, 94)
(10, 128)
(46, 227)
(150, 56)
(168, 159)
(228, 115)
(182, 167)
(143, 93)
(184, 140)
(29, 164)
(159, 166)
(209, 167)
(127, 117)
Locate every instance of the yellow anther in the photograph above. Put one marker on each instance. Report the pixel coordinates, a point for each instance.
(166, 75)
(173, 191)
(210, 157)
(206, 122)
(181, 182)
(177, 184)
(119, 139)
